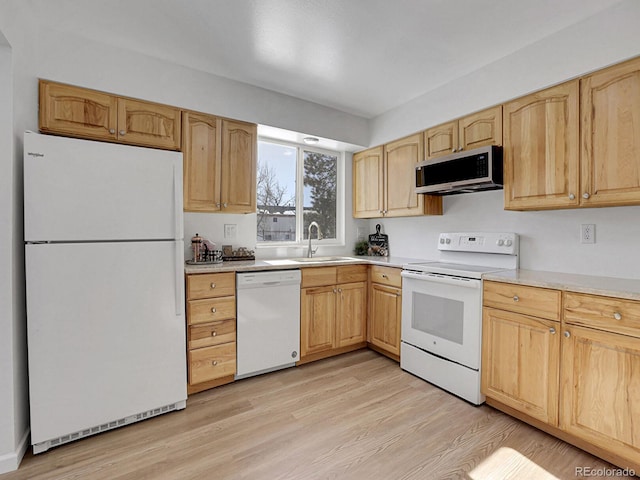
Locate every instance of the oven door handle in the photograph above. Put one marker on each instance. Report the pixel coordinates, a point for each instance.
(435, 278)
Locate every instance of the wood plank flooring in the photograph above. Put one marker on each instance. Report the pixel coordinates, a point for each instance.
(357, 416)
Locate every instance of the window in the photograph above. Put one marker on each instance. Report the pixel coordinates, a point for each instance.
(298, 185)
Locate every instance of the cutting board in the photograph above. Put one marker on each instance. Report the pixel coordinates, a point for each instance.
(378, 243)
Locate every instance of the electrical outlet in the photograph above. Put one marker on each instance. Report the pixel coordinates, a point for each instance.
(230, 230)
(587, 233)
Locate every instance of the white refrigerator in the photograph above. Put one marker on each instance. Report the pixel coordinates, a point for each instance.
(105, 286)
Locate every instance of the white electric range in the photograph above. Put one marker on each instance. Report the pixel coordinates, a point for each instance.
(442, 309)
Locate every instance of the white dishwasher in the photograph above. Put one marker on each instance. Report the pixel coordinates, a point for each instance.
(268, 321)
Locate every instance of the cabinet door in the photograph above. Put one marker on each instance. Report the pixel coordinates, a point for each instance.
(611, 136)
(386, 309)
(77, 112)
(368, 183)
(148, 124)
(202, 152)
(441, 140)
(541, 161)
(317, 319)
(351, 314)
(520, 368)
(480, 129)
(401, 157)
(600, 390)
(239, 154)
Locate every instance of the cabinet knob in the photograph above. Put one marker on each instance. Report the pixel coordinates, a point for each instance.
(572, 196)
(214, 333)
(617, 315)
(335, 290)
(213, 310)
(460, 149)
(218, 205)
(384, 275)
(224, 205)
(552, 331)
(585, 195)
(567, 334)
(112, 131)
(384, 212)
(122, 132)
(516, 298)
(214, 363)
(213, 285)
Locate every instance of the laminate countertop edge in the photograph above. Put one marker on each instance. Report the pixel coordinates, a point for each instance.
(626, 288)
(262, 265)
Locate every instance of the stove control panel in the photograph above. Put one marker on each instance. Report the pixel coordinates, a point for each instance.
(485, 242)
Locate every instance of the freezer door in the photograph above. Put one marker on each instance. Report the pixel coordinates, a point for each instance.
(80, 190)
(106, 336)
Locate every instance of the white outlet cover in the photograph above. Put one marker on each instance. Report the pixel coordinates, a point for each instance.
(587, 233)
(230, 230)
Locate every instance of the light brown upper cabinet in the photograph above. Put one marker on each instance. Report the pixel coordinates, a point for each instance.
(384, 181)
(610, 108)
(368, 183)
(541, 149)
(473, 131)
(219, 164)
(84, 113)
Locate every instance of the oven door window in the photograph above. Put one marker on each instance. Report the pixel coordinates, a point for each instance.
(438, 316)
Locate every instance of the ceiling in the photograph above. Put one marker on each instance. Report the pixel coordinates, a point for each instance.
(362, 57)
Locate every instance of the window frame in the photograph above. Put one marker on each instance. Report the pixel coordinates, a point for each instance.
(299, 195)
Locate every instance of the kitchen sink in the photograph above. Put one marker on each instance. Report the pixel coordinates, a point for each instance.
(307, 260)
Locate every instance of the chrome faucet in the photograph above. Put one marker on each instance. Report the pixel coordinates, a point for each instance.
(318, 236)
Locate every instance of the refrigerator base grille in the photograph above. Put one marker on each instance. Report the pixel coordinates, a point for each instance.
(87, 432)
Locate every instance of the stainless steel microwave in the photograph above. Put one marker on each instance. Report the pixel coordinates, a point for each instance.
(463, 172)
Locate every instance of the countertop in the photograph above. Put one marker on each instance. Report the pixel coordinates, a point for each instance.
(261, 265)
(591, 284)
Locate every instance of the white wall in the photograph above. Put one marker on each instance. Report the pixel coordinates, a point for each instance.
(550, 240)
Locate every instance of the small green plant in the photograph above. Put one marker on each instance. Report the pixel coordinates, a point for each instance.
(361, 247)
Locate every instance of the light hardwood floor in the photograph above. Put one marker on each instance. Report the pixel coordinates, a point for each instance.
(357, 416)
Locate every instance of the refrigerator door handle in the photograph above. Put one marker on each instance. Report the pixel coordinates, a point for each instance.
(179, 253)
(177, 201)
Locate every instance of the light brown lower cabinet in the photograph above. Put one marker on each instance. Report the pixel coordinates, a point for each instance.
(333, 310)
(211, 330)
(385, 309)
(577, 379)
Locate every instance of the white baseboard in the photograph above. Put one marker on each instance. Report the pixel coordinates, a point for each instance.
(11, 461)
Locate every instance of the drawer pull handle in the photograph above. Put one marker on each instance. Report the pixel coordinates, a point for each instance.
(213, 310)
(384, 275)
(516, 298)
(214, 333)
(617, 315)
(567, 334)
(552, 331)
(214, 363)
(213, 285)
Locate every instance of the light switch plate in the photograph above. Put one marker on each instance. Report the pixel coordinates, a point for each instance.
(230, 230)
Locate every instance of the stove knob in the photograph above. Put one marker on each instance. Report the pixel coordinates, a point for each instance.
(448, 241)
(508, 243)
(500, 242)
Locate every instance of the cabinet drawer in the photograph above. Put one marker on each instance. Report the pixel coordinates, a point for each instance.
(209, 334)
(352, 274)
(534, 301)
(386, 276)
(605, 313)
(211, 285)
(209, 363)
(319, 276)
(211, 310)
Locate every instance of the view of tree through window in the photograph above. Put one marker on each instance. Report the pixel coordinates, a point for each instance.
(320, 181)
(295, 186)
